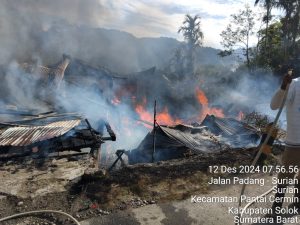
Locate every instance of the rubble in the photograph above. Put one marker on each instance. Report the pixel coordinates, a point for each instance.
(46, 133)
(47, 159)
(214, 134)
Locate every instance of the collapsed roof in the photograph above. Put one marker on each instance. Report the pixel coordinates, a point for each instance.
(22, 135)
(234, 132)
(207, 137)
(48, 132)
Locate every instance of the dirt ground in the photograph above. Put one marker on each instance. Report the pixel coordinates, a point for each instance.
(74, 187)
(178, 212)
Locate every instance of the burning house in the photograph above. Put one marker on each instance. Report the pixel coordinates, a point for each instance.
(181, 102)
(140, 90)
(63, 131)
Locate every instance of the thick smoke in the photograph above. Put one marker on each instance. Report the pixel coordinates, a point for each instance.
(30, 92)
(47, 29)
(22, 90)
(257, 93)
(41, 31)
(95, 107)
(250, 92)
(24, 26)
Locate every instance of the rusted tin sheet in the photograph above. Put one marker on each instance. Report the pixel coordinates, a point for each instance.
(27, 135)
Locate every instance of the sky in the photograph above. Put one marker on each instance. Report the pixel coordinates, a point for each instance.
(163, 17)
(155, 18)
(142, 18)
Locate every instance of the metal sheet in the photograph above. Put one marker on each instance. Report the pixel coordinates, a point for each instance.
(26, 135)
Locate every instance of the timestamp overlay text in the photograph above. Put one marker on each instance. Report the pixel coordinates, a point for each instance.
(262, 213)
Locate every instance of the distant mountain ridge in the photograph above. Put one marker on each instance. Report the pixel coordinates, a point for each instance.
(116, 50)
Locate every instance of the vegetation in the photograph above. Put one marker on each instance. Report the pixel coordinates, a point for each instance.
(191, 30)
(277, 41)
(237, 34)
(193, 35)
(279, 44)
(270, 53)
(256, 119)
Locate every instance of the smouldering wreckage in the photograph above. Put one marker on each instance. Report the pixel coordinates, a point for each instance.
(48, 133)
(26, 132)
(40, 134)
(212, 135)
(43, 134)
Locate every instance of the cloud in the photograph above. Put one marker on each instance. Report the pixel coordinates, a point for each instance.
(226, 2)
(164, 17)
(143, 18)
(174, 8)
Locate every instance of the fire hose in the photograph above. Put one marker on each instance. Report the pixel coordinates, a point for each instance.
(40, 212)
(254, 162)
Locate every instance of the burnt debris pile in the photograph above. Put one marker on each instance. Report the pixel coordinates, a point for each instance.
(38, 116)
(212, 135)
(79, 101)
(47, 133)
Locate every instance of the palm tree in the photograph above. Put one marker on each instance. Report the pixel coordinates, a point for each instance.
(191, 30)
(193, 35)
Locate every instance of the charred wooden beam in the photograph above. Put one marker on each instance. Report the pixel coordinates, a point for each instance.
(119, 154)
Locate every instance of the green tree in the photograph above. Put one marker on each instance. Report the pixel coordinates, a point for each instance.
(268, 5)
(237, 34)
(275, 56)
(193, 35)
(290, 25)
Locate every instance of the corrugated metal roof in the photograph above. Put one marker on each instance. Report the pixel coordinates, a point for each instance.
(26, 135)
(227, 126)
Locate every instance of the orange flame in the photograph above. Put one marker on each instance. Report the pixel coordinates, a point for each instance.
(161, 117)
(203, 100)
(144, 115)
(240, 116)
(165, 118)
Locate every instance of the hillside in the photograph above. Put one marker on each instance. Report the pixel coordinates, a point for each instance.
(119, 51)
